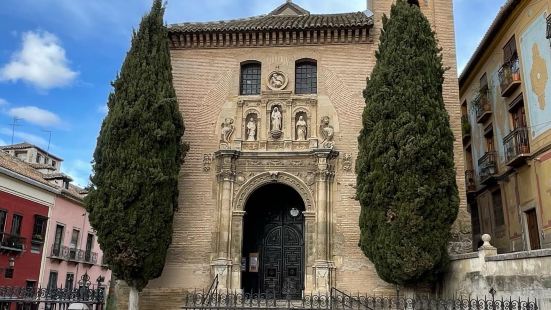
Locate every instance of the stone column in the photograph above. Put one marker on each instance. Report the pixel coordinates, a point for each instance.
(323, 266)
(235, 252)
(222, 262)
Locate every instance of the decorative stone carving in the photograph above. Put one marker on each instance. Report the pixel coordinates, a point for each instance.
(327, 132)
(301, 128)
(276, 124)
(227, 130)
(277, 80)
(347, 162)
(207, 160)
(251, 128)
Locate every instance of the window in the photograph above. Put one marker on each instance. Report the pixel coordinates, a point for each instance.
(39, 228)
(52, 280)
(89, 243)
(518, 114)
(38, 158)
(74, 238)
(484, 82)
(53, 163)
(21, 155)
(8, 273)
(498, 208)
(489, 135)
(3, 215)
(16, 224)
(58, 240)
(250, 79)
(510, 50)
(306, 77)
(70, 281)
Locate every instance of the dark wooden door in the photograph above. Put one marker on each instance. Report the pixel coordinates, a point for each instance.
(282, 261)
(533, 231)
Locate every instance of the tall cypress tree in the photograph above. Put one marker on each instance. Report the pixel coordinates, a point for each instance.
(134, 190)
(405, 169)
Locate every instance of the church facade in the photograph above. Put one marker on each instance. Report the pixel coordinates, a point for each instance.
(272, 106)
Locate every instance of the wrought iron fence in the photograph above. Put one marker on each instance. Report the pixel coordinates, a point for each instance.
(487, 165)
(74, 254)
(12, 298)
(509, 73)
(13, 242)
(340, 300)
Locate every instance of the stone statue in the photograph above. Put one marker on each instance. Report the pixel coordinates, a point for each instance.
(251, 130)
(301, 129)
(276, 119)
(227, 130)
(327, 132)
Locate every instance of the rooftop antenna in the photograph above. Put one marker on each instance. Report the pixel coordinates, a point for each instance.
(13, 125)
(49, 139)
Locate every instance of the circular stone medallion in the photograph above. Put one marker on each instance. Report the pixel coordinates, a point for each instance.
(277, 80)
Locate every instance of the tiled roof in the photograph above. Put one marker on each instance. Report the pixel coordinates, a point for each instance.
(278, 22)
(18, 166)
(57, 175)
(24, 169)
(25, 145)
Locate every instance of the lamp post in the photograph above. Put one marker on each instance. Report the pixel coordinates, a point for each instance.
(11, 263)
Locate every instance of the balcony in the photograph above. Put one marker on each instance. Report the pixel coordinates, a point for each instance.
(482, 105)
(509, 77)
(517, 147)
(13, 243)
(487, 165)
(75, 255)
(465, 128)
(469, 181)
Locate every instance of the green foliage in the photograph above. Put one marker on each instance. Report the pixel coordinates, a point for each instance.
(406, 177)
(134, 190)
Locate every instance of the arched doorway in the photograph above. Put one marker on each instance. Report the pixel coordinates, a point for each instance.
(273, 242)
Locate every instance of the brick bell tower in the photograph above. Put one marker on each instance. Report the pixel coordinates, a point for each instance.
(440, 15)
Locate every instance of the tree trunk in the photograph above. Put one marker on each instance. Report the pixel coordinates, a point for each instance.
(133, 299)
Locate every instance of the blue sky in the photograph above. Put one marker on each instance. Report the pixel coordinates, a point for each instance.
(58, 57)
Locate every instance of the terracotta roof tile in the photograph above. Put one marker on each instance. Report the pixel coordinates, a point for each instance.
(277, 22)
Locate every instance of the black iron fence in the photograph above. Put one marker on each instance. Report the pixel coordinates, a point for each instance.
(18, 298)
(340, 300)
(73, 254)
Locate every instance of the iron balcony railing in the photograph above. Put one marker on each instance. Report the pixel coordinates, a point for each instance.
(516, 143)
(481, 104)
(509, 74)
(12, 242)
(469, 181)
(487, 165)
(74, 254)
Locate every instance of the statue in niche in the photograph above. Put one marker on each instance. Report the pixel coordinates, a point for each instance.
(301, 128)
(327, 132)
(227, 130)
(276, 119)
(251, 129)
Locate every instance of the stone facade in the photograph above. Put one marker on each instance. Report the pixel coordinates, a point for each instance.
(505, 92)
(226, 164)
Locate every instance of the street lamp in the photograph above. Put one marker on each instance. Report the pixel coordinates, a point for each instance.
(11, 263)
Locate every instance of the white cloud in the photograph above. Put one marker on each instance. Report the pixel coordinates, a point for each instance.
(3, 102)
(103, 109)
(35, 115)
(2, 142)
(40, 62)
(25, 137)
(79, 170)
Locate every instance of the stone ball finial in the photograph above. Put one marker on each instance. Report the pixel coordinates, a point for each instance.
(486, 238)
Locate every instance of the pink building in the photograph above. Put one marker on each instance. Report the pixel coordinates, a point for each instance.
(71, 245)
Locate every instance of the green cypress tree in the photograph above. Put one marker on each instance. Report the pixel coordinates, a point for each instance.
(134, 188)
(405, 169)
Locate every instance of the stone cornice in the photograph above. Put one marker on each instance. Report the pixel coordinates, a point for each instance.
(277, 38)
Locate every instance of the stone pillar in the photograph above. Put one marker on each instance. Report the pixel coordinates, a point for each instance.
(486, 249)
(222, 262)
(323, 267)
(235, 253)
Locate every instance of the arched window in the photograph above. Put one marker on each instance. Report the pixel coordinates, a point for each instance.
(250, 78)
(306, 77)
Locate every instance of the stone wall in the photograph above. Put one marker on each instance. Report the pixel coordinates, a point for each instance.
(513, 275)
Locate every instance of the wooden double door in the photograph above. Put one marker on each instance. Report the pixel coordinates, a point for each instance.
(282, 253)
